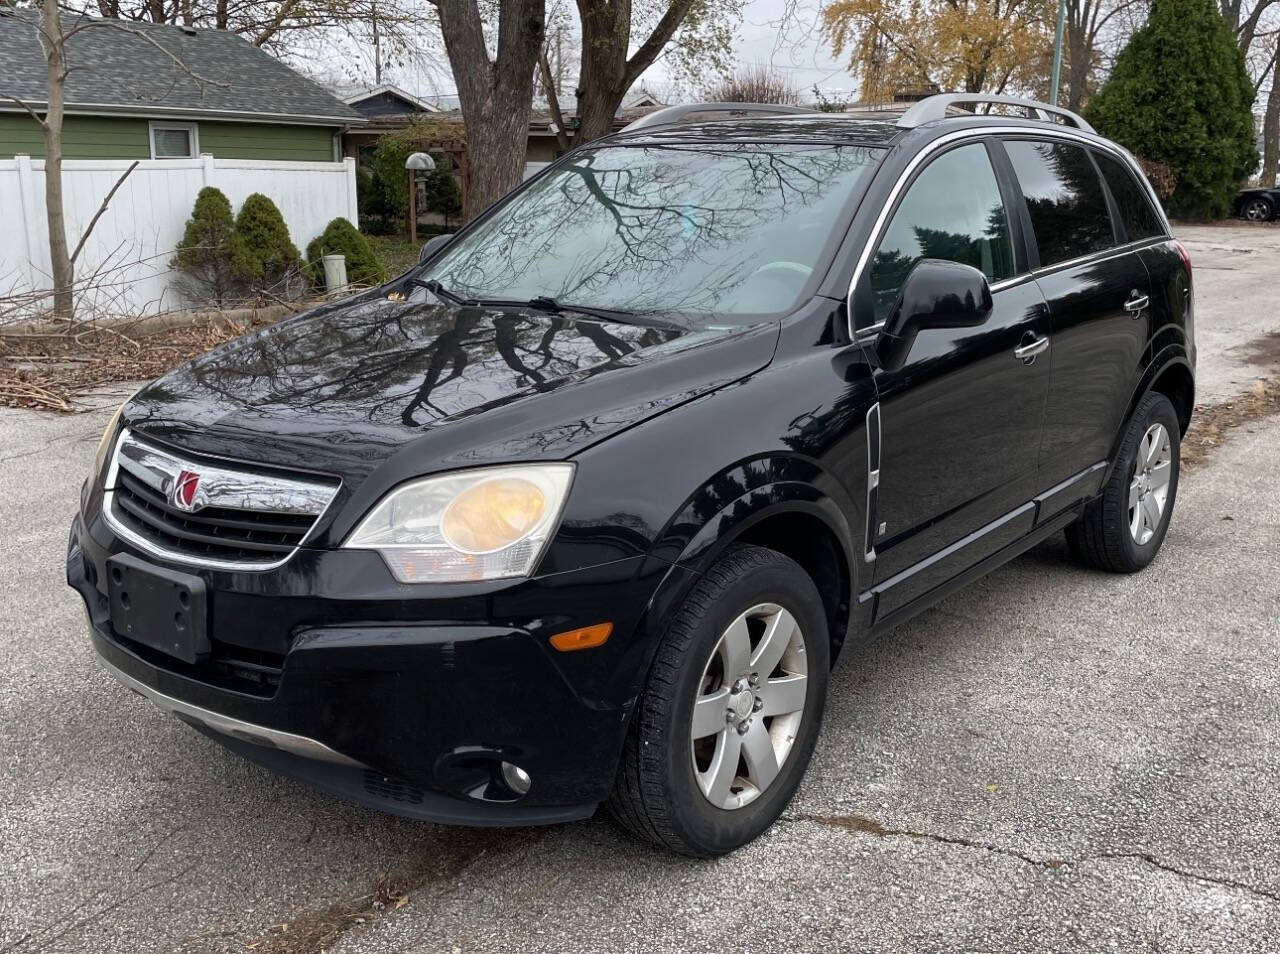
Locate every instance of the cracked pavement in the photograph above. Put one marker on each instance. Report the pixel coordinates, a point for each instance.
(1051, 760)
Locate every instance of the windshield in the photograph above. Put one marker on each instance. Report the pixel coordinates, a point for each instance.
(696, 229)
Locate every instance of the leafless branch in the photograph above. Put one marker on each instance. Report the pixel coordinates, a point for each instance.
(101, 209)
(27, 106)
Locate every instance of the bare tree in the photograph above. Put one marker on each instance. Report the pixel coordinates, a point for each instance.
(1245, 17)
(1271, 122)
(55, 32)
(54, 43)
(393, 26)
(607, 71)
(496, 92)
(1254, 20)
(755, 84)
(1085, 26)
(554, 66)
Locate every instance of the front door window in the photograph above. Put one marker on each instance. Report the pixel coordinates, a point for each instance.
(952, 211)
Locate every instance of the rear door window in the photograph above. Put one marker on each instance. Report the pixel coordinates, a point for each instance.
(1139, 218)
(952, 211)
(1065, 198)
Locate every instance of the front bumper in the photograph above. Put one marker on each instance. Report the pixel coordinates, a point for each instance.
(406, 705)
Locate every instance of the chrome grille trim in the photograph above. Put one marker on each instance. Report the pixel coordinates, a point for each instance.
(222, 487)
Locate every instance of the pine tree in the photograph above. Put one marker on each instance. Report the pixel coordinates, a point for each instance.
(205, 252)
(1180, 95)
(264, 256)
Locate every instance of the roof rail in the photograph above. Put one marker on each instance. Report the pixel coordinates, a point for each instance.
(673, 114)
(935, 107)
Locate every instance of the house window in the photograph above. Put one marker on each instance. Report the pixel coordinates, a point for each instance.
(174, 141)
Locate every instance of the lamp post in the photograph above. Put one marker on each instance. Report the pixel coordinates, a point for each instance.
(417, 162)
(1057, 52)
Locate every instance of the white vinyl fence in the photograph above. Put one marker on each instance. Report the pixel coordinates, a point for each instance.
(125, 263)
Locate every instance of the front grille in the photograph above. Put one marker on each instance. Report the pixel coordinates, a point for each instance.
(225, 534)
(235, 517)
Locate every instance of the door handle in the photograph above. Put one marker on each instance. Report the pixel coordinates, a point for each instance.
(1027, 352)
(1137, 301)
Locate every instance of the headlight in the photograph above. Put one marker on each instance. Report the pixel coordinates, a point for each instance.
(483, 524)
(108, 440)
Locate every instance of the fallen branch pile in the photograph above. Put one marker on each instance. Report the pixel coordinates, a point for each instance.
(49, 369)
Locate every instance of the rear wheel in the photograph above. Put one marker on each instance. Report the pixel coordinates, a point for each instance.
(1123, 529)
(729, 717)
(1256, 210)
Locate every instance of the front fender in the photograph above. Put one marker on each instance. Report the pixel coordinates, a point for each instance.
(723, 511)
(734, 501)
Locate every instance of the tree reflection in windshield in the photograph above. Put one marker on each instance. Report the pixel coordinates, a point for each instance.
(694, 229)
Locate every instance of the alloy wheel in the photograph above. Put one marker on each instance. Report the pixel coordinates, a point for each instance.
(1257, 211)
(1149, 486)
(749, 706)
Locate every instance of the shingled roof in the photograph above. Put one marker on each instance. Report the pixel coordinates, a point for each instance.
(127, 67)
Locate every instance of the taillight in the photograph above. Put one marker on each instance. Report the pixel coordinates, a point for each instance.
(1185, 256)
(1188, 300)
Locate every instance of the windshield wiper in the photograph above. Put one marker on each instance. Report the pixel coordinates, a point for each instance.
(551, 306)
(440, 291)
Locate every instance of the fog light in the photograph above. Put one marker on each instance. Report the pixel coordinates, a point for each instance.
(516, 778)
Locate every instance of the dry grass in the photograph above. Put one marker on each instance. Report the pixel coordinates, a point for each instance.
(1212, 425)
(48, 371)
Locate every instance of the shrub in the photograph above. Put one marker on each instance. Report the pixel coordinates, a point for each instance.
(207, 249)
(1180, 95)
(443, 194)
(376, 216)
(391, 182)
(341, 238)
(264, 256)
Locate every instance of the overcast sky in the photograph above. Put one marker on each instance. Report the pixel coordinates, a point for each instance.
(790, 44)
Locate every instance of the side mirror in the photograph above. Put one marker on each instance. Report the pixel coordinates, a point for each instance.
(936, 294)
(434, 245)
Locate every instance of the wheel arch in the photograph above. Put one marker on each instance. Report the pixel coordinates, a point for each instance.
(788, 504)
(1176, 381)
(1172, 374)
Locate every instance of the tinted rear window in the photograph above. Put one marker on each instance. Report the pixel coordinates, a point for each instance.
(1139, 218)
(1065, 199)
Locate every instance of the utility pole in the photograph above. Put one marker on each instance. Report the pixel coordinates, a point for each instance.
(378, 50)
(1057, 52)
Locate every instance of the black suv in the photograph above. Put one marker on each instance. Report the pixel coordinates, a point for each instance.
(582, 508)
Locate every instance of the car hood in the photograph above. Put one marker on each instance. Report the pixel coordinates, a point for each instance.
(345, 388)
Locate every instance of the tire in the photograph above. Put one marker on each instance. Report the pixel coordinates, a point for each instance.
(657, 795)
(1256, 210)
(1105, 535)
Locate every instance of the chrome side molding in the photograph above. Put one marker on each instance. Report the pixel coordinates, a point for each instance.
(873, 482)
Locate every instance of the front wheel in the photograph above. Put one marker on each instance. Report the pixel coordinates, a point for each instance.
(730, 715)
(1123, 529)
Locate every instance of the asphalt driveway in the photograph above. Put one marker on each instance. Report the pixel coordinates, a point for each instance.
(1054, 759)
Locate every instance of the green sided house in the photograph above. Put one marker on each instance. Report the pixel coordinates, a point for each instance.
(194, 108)
(145, 91)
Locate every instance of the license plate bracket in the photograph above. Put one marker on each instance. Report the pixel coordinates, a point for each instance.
(158, 607)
